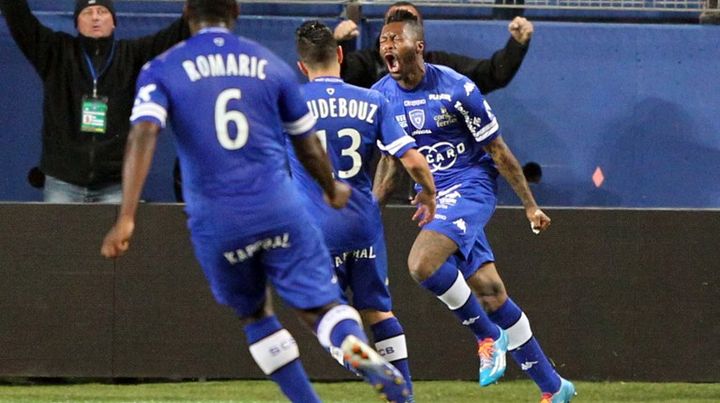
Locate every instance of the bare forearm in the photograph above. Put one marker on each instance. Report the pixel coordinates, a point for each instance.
(416, 165)
(510, 169)
(138, 159)
(385, 179)
(311, 155)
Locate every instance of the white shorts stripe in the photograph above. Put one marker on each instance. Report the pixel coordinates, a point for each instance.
(458, 294)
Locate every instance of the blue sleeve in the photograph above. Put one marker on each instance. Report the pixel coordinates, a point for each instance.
(475, 112)
(392, 139)
(151, 99)
(296, 117)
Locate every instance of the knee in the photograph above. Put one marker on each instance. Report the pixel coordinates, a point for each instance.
(311, 316)
(492, 296)
(419, 267)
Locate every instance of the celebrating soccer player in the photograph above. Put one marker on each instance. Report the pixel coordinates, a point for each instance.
(351, 120)
(455, 129)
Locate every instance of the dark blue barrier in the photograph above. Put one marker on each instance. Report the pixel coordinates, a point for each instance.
(639, 102)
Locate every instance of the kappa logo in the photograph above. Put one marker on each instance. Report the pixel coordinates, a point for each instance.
(468, 322)
(460, 223)
(469, 87)
(417, 118)
(527, 365)
(330, 91)
(219, 42)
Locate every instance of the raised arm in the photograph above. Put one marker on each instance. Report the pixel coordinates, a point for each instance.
(499, 70)
(36, 41)
(139, 151)
(510, 169)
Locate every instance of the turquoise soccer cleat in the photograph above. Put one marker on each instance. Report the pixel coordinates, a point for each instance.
(492, 358)
(564, 395)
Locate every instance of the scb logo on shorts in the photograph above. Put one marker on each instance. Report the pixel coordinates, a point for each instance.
(441, 156)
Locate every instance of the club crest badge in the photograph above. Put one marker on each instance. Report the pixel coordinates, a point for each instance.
(417, 118)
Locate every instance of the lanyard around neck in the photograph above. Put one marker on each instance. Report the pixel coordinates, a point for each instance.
(96, 75)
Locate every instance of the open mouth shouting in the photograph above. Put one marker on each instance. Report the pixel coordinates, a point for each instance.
(391, 61)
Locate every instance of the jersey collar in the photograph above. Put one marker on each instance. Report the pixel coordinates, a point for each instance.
(217, 30)
(327, 79)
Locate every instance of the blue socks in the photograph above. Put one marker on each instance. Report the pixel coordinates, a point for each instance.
(524, 348)
(276, 353)
(449, 285)
(389, 338)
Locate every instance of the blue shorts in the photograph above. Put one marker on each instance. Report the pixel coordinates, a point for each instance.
(364, 272)
(463, 210)
(291, 256)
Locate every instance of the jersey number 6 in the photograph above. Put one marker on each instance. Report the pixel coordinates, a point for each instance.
(223, 118)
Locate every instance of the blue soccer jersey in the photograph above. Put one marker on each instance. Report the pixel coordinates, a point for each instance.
(450, 121)
(351, 123)
(227, 97)
(230, 102)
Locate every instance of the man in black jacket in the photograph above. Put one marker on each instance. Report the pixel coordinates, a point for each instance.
(89, 84)
(364, 67)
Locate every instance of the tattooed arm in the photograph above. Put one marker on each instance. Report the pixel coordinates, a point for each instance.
(510, 169)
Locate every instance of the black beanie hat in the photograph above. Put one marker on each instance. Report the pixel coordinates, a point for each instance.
(82, 4)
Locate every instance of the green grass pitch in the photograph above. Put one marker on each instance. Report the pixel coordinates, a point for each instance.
(354, 392)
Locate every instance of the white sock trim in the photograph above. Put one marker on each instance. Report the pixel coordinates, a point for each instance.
(334, 316)
(392, 349)
(519, 333)
(274, 351)
(457, 295)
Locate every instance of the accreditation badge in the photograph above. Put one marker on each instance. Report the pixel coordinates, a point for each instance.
(94, 114)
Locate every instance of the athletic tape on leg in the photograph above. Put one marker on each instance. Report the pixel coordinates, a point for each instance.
(519, 333)
(392, 349)
(457, 295)
(274, 351)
